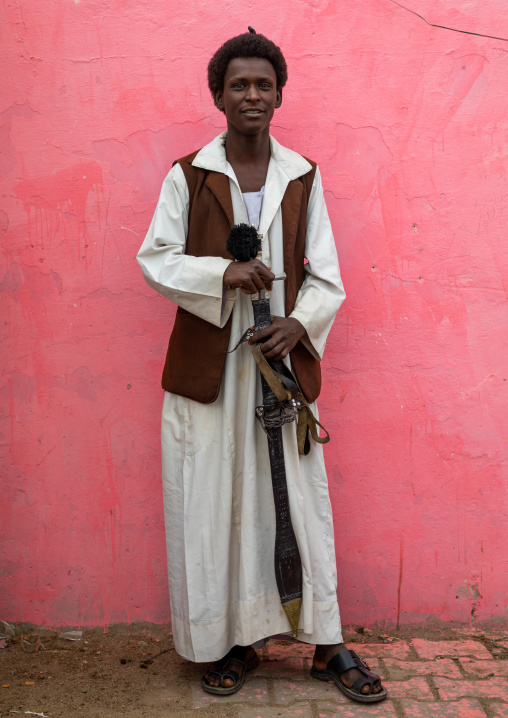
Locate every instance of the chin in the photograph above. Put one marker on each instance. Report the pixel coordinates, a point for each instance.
(251, 128)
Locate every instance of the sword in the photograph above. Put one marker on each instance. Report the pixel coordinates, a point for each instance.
(244, 244)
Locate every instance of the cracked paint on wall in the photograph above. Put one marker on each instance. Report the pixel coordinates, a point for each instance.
(408, 124)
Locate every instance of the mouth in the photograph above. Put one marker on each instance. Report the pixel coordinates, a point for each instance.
(254, 113)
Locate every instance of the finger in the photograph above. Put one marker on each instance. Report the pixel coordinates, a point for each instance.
(270, 337)
(271, 343)
(278, 352)
(258, 281)
(261, 335)
(248, 287)
(265, 272)
(263, 266)
(279, 357)
(268, 277)
(278, 347)
(265, 333)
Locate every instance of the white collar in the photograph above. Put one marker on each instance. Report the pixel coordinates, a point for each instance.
(213, 157)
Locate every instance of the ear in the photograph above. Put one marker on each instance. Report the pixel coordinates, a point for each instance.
(218, 99)
(278, 101)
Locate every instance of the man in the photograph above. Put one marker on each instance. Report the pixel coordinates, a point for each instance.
(218, 501)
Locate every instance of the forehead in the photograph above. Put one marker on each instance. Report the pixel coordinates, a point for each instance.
(250, 67)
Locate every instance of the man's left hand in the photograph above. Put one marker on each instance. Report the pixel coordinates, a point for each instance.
(279, 338)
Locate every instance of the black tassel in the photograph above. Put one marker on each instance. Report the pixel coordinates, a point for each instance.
(252, 31)
(243, 242)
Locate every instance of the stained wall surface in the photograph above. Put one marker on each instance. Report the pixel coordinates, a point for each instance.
(408, 123)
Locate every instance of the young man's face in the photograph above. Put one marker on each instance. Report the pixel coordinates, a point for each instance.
(250, 94)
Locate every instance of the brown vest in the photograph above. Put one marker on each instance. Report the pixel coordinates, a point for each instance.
(197, 349)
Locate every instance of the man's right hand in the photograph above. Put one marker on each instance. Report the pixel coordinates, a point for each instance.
(250, 277)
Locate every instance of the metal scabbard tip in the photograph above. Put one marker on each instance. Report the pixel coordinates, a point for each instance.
(292, 610)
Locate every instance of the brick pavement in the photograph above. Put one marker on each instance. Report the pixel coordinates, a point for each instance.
(424, 679)
(432, 649)
(499, 711)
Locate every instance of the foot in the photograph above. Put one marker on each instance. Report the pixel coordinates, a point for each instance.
(324, 653)
(214, 674)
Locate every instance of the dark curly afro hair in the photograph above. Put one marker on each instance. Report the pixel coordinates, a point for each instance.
(249, 44)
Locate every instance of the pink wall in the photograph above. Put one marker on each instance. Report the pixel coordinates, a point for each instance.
(408, 124)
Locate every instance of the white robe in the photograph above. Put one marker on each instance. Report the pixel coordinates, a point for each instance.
(218, 502)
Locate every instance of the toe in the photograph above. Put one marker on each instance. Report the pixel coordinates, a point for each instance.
(214, 680)
(372, 689)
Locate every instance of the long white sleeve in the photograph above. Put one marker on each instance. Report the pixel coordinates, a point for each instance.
(194, 283)
(322, 292)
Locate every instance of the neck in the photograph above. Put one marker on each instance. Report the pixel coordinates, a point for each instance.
(247, 149)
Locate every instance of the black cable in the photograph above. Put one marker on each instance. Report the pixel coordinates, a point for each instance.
(443, 27)
(148, 661)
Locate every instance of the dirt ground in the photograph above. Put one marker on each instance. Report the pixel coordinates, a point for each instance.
(104, 674)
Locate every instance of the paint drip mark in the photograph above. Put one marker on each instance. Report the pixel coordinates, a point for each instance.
(401, 570)
(475, 598)
(481, 570)
(444, 27)
(62, 193)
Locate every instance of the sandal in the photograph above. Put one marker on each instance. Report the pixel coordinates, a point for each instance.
(341, 663)
(237, 653)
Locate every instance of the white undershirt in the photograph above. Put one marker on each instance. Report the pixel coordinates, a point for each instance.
(254, 203)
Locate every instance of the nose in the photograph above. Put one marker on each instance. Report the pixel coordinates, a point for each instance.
(253, 93)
